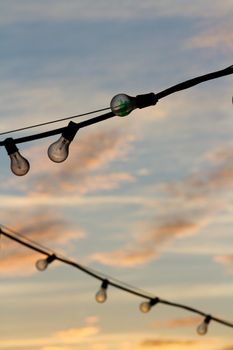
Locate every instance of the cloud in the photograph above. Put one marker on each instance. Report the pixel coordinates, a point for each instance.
(218, 36)
(186, 207)
(177, 323)
(87, 168)
(29, 11)
(59, 340)
(225, 260)
(165, 343)
(76, 335)
(43, 226)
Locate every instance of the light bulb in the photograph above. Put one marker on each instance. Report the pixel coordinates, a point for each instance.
(42, 264)
(122, 105)
(203, 327)
(101, 295)
(59, 150)
(145, 306)
(19, 165)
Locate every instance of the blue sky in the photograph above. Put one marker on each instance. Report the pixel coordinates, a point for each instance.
(146, 199)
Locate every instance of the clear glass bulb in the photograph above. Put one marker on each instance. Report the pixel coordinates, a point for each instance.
(122, 105)
(19, 165)
(59, 150)
(42, 264)
(101, 295)
(145, 306)
(202, 328)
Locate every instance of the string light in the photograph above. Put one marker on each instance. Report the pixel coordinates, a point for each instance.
(203, 327)
(59, 150)
(19, 165)
(121, 105)
(42, 264)
(101, 295)
(147, 305)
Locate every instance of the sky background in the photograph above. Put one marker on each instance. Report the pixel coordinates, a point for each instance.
(146, 199)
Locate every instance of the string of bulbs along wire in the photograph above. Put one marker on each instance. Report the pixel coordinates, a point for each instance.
(121, 105)
(106, 281)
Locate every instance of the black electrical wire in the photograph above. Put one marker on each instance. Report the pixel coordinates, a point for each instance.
(110, 281)
(58, 131)
(142, 101)
(191, 82)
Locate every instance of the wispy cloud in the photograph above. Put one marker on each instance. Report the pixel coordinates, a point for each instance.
(165, 343)
(226, 260)
(60, 11)
(59, 340)
(177, 323)
(218, 36)
(44, 227)
(85, 171)
(187, 207)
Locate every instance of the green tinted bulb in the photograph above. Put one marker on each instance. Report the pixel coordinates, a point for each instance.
(122, 105)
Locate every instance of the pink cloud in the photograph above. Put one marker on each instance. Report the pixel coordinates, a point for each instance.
(220, 37)
(45, 227)
(186, 208)
(225, 260)
(86, 169)
(177, 323)
(165, 343)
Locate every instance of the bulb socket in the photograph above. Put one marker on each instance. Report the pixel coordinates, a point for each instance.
(105, 284)
(154, 301)
(51, 258)
(70, 131)
(10, 146)
(146, 100)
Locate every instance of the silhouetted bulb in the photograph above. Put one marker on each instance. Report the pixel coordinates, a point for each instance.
(122, 105)
(42, 264)
(101, 295)
(19, 165)
(203, 327)
(145, 306)
(59, 150)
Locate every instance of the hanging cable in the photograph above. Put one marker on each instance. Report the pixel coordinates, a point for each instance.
(107, 281)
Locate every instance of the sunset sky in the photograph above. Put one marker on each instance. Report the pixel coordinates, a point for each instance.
(146, 199)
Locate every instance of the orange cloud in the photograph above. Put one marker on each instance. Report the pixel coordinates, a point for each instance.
(179, 322)
(45, 227)
(226, 260)
(220, 37)
(86, 169)
(74, 335)
(165, 343)
(186, 208)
